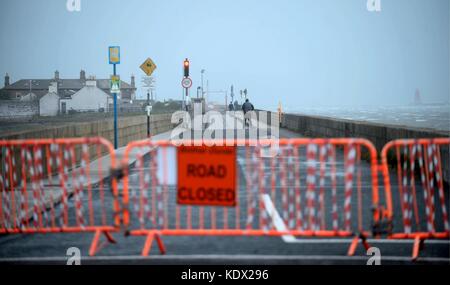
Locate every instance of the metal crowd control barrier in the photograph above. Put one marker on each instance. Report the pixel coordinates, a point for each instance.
(303, 187)
(57, 185)
(417, 203)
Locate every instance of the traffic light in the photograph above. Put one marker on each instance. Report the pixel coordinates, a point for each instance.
(186, 68)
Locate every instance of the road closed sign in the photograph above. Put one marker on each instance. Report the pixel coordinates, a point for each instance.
(206, 176)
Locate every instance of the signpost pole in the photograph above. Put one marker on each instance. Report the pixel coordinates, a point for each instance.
(114, 58)
(148, 114)
(148, 67)
(115, 112)
(186, 99)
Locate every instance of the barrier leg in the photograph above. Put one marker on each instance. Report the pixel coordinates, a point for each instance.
(149, 242)
(364, 242)
(109, 237)
(354, 244)
(94, 244)
(162, 249)
(418, 245)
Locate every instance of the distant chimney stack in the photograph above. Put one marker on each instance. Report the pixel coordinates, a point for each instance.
(57, 75)
(53, 88)
(91, 81)
(133, 84)
(82, 75)
(6, 80)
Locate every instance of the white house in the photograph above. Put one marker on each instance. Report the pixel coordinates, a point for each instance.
(30, 97)
(49, 103)
(89, 98)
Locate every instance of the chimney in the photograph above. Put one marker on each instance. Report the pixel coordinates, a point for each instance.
(6, 80)
(57, 75)
(133, 84)
(53, 88)
(91, 81)
(82, 75)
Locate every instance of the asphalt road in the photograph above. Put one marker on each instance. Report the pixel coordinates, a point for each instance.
(52, 248)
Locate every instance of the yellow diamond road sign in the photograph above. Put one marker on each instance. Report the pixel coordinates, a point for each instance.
(148, 66)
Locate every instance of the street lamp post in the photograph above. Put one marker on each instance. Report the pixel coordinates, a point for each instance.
(232, 94)
(202, 72)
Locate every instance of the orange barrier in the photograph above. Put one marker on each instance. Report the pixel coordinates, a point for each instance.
(309, 188)
(416, 200)
(52, 186)
(301, 187)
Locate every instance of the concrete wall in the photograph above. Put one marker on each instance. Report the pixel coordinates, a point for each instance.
(130, 128)
(378, 134)
(12, 109)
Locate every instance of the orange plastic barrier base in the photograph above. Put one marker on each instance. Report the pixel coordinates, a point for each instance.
(157, 234)
(95, 247)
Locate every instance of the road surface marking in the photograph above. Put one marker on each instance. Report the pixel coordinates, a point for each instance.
(281, 227)
(276, 219)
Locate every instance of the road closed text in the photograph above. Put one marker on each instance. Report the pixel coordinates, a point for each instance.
(206, 196)
(206, 176)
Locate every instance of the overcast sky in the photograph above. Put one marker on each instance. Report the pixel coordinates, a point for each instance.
(299, 52)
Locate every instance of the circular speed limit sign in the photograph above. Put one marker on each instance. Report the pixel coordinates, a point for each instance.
(186, 82)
